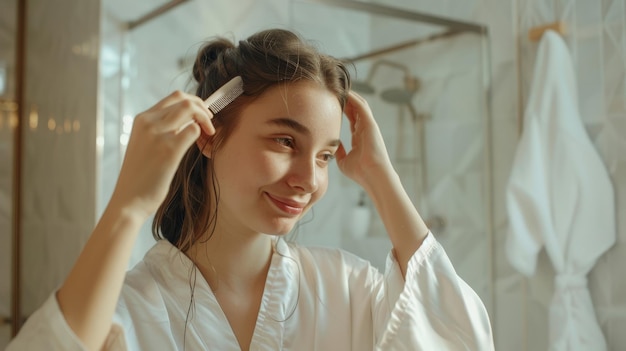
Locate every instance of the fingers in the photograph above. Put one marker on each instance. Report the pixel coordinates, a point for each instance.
(185, 113)
(341, 153)
(173, 98)
(178, 111)
(189, 133)
(357, 110)
(357, 104)
(365, 130)
(349, 110)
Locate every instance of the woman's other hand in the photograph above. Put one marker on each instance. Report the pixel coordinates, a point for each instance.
(156, 146)
(369, 165)
(368, 158)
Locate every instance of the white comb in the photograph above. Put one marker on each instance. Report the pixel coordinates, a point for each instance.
(220, 98)
(224, 95)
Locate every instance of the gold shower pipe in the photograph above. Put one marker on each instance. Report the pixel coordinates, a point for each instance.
(405, 14)
(402, 46)
(154, 13)
(20, 76)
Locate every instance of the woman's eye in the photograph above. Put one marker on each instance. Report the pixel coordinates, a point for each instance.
(284, 141)
(328, 157)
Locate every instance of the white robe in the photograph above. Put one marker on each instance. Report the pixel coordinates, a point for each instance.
(314, 299)
(560, 197)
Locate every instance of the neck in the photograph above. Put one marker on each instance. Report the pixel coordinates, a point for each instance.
(233, 261)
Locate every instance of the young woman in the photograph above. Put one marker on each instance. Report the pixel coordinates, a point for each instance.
(225, 189)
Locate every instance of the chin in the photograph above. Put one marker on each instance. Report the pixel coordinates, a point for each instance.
(281, 231)
(280, 227)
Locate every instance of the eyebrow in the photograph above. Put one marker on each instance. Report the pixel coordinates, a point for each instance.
(298, 127)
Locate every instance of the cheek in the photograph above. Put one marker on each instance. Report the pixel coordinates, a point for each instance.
(269, 166)
(255, 170)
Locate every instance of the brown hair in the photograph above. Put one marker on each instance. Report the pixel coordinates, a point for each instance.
(265, 59)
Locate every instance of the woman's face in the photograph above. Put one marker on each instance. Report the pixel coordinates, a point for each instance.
(274, 165)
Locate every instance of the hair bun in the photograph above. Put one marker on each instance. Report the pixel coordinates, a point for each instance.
(207, 55)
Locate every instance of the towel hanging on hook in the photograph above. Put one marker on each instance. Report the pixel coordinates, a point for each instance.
(560, 198)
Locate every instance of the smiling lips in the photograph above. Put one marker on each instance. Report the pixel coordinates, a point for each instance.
(286, 205)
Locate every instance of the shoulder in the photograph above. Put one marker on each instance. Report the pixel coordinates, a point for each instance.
(140, 280)
(145, 284)
(140, 292)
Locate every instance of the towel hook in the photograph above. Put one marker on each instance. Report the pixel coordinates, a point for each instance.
(535, 33)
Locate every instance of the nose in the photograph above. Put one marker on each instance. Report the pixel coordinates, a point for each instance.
(305, 175)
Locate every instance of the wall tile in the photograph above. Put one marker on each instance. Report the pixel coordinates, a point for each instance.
(5, 335)
(59, 194)
(614, 328)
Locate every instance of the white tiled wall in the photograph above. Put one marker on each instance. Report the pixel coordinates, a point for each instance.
(59, 177)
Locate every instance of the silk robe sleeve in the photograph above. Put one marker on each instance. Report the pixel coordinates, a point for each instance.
(432, 308)
(46, 329)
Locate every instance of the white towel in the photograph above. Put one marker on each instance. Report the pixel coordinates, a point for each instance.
(560, 197)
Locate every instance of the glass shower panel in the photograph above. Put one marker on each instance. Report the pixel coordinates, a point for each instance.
(426, 86)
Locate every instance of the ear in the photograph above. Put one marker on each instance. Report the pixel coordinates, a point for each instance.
(205, 144)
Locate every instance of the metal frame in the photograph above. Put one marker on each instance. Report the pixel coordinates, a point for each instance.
(402, 46)
(154, 13)
(452, 27)
(376, 9)
(20, 74)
